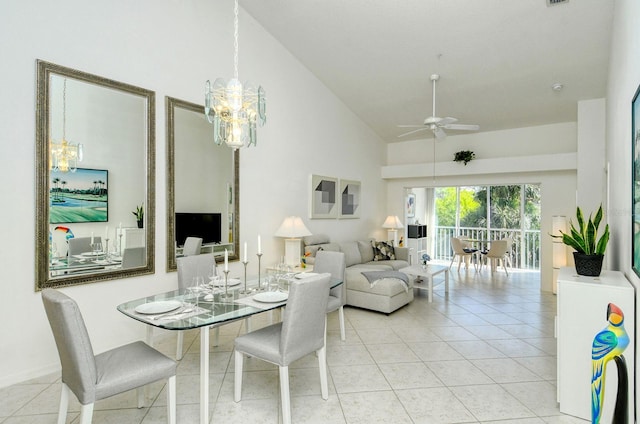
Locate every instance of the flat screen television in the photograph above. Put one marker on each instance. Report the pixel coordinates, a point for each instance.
(207, 226)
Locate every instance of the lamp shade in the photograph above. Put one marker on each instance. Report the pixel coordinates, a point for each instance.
(292, 227)
(392, 222)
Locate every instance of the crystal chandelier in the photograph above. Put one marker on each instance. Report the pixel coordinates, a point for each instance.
(232, 108)
(64, 156)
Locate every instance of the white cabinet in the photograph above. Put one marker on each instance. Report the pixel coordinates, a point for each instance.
(417, 247)
(582, 313)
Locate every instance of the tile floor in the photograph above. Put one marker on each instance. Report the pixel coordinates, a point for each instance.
(485, 353)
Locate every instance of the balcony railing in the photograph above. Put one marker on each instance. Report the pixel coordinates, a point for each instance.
(525, 251)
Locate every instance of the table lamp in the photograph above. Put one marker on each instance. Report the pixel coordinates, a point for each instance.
(292, 229)
(392, 223)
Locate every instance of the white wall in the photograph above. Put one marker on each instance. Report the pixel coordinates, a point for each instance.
(172, 48)
(624, 78)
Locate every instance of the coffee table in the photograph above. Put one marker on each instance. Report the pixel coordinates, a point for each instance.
(429, 272)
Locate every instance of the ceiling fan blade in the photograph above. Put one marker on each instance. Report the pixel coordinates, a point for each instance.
(410, 126)
(414, 131)
(439, 133)
(462, 127)
(446, 121)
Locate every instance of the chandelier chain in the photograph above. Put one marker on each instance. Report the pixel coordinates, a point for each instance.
(235, 40)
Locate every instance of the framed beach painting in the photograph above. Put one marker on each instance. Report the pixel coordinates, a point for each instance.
(80, 196)
(635, 183)
(349, 199)
(323, 197)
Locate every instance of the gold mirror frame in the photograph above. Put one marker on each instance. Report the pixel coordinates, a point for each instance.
(171, 104)
(43, 277)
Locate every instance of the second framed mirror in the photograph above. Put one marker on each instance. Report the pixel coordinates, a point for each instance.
(202, 185)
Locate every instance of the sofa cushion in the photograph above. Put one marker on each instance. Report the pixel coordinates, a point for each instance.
(384, 287)
(351, 253)
(366, 250)
(395, 264)
(382, 251)
(316, 239)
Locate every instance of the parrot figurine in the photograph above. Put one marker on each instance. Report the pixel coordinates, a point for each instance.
(607, 345)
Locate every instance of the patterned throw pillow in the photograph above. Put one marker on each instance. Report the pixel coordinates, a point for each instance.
(382, 251)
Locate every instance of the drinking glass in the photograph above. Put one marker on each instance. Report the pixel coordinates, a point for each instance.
(195, 287)
(96, 248)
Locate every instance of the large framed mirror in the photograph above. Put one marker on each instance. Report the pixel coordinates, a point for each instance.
(95, 178)
(203, 185)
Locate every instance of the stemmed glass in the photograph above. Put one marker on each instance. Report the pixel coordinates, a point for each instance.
(195, 287)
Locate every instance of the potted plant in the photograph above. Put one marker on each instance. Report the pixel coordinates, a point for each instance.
(589, 249)
(464, 156)
(139, 214)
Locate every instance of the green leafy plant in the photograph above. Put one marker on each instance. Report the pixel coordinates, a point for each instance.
(139, 213)
(584, 239)
(464, 156)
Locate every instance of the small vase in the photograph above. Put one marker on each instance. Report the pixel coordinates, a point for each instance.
(141, 224)
(424, 266)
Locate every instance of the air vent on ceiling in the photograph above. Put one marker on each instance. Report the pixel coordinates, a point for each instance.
(555, 2)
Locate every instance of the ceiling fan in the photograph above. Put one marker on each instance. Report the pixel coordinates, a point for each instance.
(436, 124)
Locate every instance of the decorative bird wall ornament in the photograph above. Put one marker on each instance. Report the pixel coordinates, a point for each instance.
(607, 345)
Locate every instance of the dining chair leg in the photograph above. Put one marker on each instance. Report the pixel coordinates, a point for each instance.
(216, 336)
(322, 364)
(141, 396)
(86, 413)
(64, 404)
(179, 345)
(237, 382)
(284, 394)
(171, 400)
(341, 317)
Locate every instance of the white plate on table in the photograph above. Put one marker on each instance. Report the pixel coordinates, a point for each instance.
(306, 275)
(271, 297)
(230, 282)
(159, 307)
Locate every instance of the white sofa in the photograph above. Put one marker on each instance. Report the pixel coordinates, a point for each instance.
(384, 295)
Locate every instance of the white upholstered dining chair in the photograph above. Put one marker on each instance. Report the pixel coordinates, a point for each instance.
(334, 264)
(497, 255)
(192, 246)
(301, 332)
(190, 267)
(94, 377)
(462, 252)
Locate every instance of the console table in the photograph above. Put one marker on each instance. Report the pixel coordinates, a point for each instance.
(582, 313)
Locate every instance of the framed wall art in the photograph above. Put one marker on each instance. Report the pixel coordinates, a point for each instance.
(81, 196)
(349, 199)
(323, 197)
(635, 182)
(411, 205)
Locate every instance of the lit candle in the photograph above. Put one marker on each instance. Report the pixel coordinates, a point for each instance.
(245, 252)
(226, 260)
(120, 228)
(91, 237)
(259, 246)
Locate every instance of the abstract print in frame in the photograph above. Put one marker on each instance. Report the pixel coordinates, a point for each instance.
(635, 183)
(323, 197)
(81, 196)
(349, 199)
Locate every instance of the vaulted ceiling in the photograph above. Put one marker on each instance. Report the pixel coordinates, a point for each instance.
(497, 59)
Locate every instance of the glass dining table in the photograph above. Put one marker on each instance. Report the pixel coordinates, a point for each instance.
(205, 308)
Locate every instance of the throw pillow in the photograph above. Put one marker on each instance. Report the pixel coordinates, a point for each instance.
(382, 251)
